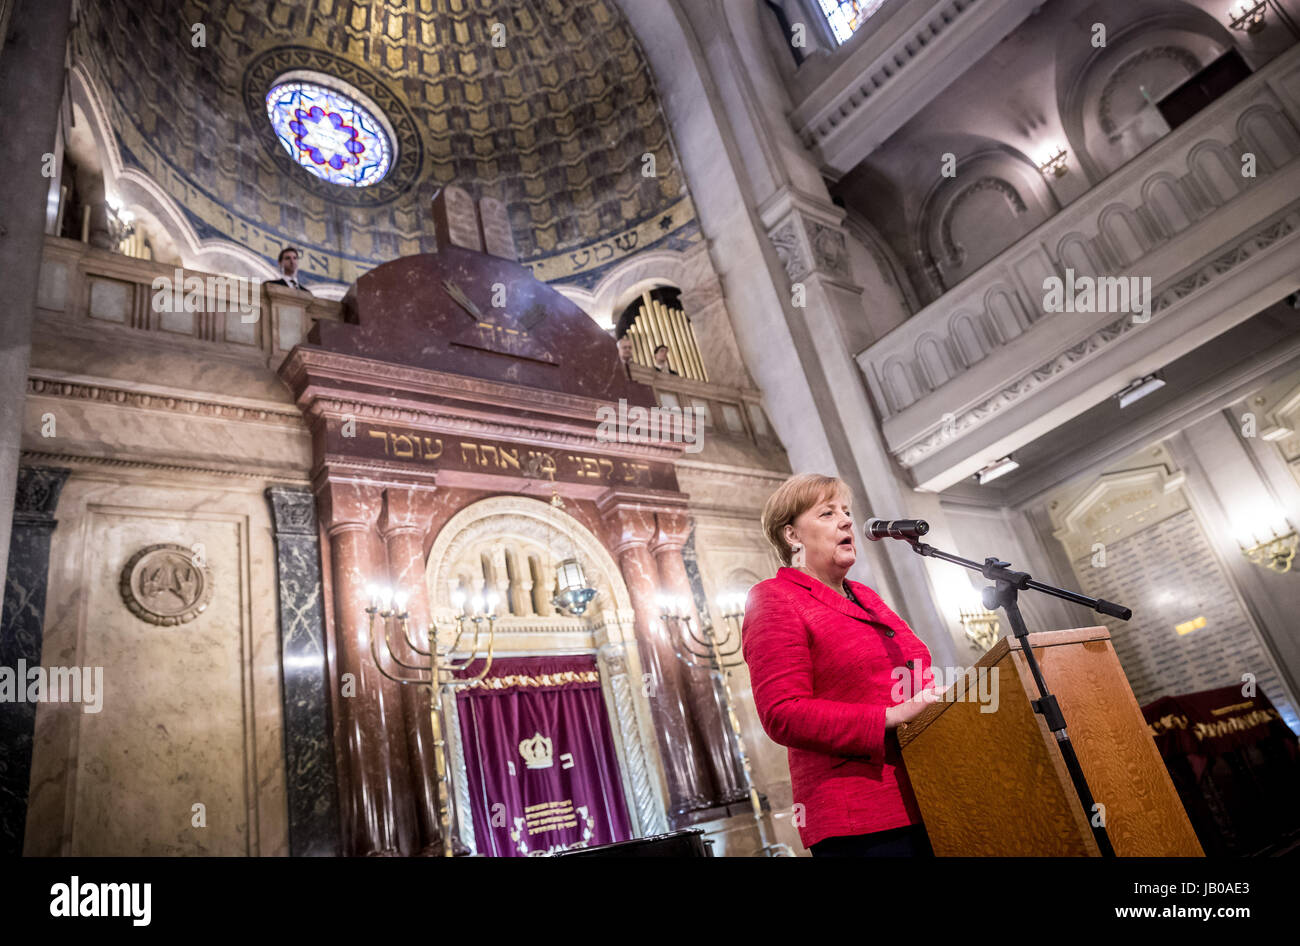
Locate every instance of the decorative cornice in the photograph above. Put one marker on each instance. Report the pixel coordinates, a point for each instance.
(881, 74)
(41, 456)
(52, 386)
(1164, 298)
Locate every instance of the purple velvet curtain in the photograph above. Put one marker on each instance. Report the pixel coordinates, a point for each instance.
(543, 775)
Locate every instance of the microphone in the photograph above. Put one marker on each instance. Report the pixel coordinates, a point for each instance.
(877, 529)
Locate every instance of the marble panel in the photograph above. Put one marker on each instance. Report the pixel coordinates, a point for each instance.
(109, 300)
(311, 781)
(21, 637)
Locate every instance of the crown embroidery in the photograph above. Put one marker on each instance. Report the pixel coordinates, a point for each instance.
(536, 752)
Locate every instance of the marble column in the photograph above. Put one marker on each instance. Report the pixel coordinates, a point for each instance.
(376, 819)
(404, 524)
(31, 84)
(311, 782)
(21, 632)
(671, 532)
(685, 764)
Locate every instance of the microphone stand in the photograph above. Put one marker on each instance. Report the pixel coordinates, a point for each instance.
(1003, 594)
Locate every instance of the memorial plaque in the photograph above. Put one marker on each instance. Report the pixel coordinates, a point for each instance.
(1168, 574)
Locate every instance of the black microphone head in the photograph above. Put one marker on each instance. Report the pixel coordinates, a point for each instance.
(876, 529)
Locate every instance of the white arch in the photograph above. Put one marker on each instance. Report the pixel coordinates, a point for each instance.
(617, 289)
(519, 516)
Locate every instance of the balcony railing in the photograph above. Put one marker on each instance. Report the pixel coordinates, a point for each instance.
(83, 289)
(1182, 215)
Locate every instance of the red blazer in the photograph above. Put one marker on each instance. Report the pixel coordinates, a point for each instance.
(822, 670)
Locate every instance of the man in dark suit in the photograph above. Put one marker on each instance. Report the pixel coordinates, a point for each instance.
(288, 261)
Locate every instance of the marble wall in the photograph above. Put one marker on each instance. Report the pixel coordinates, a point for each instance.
(185, 756)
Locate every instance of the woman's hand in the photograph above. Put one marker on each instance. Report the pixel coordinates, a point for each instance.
(906, 712)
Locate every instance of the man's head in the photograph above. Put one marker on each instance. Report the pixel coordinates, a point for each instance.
(625, 349)
(661, 356)
(288, 261)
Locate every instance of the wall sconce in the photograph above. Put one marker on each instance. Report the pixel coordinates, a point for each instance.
(982, 627)
(1055, 163)
(1276, 553)
(1249, 18)
(121, 222)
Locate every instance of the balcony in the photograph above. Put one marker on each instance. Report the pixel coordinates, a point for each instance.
(90, 293)
(987, 368)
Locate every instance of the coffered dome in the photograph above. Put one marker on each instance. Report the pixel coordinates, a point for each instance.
(545, 105)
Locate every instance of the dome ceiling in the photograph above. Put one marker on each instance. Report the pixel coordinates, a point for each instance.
(554, 118)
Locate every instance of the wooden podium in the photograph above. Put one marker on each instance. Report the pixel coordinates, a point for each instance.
(995, 784)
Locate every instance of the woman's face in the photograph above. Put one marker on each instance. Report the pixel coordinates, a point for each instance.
(825, 530)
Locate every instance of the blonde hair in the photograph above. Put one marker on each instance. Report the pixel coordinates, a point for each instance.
(792, 499)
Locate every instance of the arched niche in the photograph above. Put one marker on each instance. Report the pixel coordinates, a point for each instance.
(520, 529)
(691, 273)
(475, 541)
(1266, 133)
(1106, 94)
(995, 198)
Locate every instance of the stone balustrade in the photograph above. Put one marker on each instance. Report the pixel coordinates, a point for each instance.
(83, 289)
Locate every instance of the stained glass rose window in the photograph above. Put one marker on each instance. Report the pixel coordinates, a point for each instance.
(337, 135)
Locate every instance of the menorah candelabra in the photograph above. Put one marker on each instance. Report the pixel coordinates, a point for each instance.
(436, 672)
(718, 654)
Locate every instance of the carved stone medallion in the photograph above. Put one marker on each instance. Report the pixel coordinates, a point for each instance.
(166, 584)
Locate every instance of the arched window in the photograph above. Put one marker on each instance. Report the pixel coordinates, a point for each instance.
(847, 16)
(657, 319)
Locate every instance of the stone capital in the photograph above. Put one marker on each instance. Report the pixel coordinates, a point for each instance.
(808, 236)
(37, 494)
(672, 529)
(293, 510)
(629, 526)
(407, 509)
(345, 505)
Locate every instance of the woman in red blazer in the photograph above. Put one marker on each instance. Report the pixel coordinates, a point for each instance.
(830, 663)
